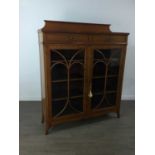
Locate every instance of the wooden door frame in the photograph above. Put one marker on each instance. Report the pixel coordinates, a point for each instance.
(65, 118)
(116, 107)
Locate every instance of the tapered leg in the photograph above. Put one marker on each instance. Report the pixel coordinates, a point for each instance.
(46, 132)
(46, 129)
(42, 118)
(118, 114)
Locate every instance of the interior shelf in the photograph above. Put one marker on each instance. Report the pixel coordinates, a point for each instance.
(65, 98)
(107, 92)
(108, 76)
(62, 61)
(81, 96)
(80, 79)
(65, 80)
(105, 59)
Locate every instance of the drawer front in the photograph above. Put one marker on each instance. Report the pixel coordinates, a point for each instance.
(108, 39)
(63, 38)
(100, 38)
(84, 38)
(118, 38)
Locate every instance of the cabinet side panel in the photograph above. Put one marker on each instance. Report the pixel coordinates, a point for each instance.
(42, 75)
(42, 71)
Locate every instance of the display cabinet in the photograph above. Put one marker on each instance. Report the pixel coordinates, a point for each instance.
(82, 68)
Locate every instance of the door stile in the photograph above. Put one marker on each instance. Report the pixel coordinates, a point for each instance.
(91, 77)
(51, 98)
(89, 55)
(120, 80)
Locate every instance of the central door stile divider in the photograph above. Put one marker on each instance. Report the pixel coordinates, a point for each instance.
(85, 100)
(89, 55)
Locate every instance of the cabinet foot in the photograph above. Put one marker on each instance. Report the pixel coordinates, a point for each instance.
(42, 119)
(47, 127)
(118, 114)
(46, 132)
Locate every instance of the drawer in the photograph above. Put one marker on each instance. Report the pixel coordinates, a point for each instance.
(60, 38)
(84, 38)
(100, 38)
(118, 38)
(108, 38)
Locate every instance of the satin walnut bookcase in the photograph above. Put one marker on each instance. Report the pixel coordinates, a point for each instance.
(82, 68)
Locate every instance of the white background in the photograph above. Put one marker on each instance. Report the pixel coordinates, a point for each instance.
(118, 13)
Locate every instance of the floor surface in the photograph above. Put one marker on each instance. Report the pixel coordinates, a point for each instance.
(106, 135)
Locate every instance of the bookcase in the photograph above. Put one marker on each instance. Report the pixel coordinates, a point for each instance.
(82, 67)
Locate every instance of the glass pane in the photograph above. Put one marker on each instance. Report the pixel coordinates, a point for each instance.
(105, 77)
(111, 98)
(77, 104)
(107, 53)
(76, 71)
(116, 53)
(102, 101)
(57, 107)
(112, 84)
(59, 90)
(66, 54)
(102, 53)
(99, 69)
(95, 101)
(65, 107)
(98, 85)
(59, 72)
(113, 68)
(67, 72)
(76, 88)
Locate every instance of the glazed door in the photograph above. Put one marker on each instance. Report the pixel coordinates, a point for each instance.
(105, 64)
(67, 81)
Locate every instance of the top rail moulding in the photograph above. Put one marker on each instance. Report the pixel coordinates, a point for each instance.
(76, 27)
